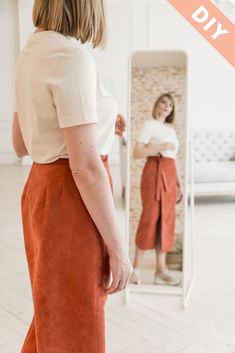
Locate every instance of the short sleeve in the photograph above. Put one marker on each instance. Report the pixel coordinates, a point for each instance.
(145, 134)
(73, 84)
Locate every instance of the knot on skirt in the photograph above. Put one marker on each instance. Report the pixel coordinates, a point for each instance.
(160, 177)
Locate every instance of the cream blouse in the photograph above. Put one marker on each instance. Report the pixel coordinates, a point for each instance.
(58, 86)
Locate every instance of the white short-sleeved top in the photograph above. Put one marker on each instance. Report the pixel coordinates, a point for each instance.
(58, 86)
(156, 132)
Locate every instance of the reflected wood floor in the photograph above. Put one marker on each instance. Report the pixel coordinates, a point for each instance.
(150, 323)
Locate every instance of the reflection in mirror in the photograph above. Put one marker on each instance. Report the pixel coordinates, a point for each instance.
(157, 167)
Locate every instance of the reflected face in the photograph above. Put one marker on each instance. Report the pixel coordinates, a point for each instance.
(165, 107)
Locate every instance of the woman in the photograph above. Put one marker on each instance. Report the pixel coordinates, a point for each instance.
(160, 189)
(65, 120)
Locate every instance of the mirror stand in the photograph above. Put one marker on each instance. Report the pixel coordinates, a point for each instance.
(189, 252)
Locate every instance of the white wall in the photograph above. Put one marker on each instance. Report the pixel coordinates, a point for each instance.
(227, 7)
(8, 39)
(133, 25)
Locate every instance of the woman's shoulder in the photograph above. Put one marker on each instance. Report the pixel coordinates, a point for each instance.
(149, 121)
(170, 126)
(153, 123)
(56, 44)
(80, 54)
(147, 124)
(73, 56)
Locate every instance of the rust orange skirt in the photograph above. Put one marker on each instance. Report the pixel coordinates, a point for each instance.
(68, 262)
(158, 195)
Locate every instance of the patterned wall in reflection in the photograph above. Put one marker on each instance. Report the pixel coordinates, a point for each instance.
(147, 84)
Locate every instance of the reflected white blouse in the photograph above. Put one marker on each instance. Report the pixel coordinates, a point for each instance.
(156, 132)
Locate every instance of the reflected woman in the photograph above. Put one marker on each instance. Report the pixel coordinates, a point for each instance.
(160, 189)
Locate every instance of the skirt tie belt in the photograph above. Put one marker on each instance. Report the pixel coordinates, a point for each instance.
(161, 182)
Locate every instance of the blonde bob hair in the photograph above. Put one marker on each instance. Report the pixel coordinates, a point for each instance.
(170, 118)
(83, 19)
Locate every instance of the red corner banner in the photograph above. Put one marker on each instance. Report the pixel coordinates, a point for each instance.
(213, 25)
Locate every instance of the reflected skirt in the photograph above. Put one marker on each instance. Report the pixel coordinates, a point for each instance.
(158, 196)
(68, 263)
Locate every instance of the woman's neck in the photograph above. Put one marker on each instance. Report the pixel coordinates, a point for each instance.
(39, 30)
(160, 120)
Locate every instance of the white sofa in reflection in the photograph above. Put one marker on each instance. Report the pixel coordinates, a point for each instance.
(214, 162)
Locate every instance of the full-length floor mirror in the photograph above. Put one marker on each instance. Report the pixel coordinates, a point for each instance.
(158, 164)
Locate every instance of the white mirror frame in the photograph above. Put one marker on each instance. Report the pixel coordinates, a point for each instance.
(188, 256)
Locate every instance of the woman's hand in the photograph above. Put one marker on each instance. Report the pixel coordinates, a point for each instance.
(120, 125)
(158, 148)
(179, 195)
(142, 150)
(121, 270)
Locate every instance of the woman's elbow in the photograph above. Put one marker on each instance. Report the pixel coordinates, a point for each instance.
(136, 153)
(85, 174)
(20, 153)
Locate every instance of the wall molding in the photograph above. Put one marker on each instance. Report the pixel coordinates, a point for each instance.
(132, 12)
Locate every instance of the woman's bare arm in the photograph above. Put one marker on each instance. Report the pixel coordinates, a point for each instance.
(142, 150)
(179, 182)
(92, 182)
(17, 138)
(179, 195)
